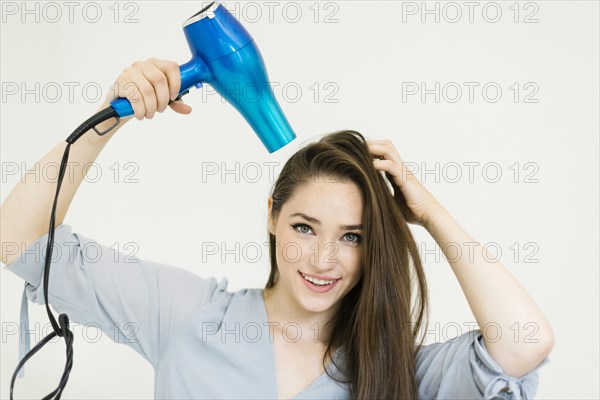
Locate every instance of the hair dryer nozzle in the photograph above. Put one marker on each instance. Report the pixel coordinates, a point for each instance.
(241, 79)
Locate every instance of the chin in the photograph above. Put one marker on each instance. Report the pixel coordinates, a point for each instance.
(320, 307)
(315, 303)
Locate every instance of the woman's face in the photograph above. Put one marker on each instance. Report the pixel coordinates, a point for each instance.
(318, 234)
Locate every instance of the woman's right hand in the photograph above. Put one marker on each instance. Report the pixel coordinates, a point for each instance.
(149, 85)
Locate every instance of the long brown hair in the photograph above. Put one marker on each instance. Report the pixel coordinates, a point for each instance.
(375, 326)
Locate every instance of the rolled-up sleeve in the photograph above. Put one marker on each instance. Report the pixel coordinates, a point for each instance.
(462, 368)
(135, 302)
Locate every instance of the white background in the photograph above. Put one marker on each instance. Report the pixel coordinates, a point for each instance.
(362, 56)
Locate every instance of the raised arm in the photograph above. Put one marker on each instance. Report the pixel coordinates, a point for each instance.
(494, 295)
(25, 214)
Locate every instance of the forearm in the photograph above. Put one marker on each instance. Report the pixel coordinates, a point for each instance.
(25, 213)
(505, 312)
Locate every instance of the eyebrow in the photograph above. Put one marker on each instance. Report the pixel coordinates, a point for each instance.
(316, 221)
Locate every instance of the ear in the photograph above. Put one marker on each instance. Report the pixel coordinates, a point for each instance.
(271, 223)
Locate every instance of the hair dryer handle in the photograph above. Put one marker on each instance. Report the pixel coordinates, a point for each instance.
(192, 73)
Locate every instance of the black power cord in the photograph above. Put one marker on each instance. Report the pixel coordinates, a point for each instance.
(61, 328)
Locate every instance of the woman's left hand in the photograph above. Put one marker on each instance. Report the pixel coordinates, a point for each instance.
(416, 202)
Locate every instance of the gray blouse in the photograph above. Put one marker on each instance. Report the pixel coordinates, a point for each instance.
(206, 342)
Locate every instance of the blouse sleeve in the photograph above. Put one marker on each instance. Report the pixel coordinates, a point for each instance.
(461, 368)
(135, 302)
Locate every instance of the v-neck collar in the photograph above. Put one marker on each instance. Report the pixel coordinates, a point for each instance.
(263, 310)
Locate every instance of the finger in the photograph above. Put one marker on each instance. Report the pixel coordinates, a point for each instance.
(126, 87)
(171, 70)
(384, 149)
(180, 107)
(384, 144)
(159, 82)
(145, 88)
(399, 173)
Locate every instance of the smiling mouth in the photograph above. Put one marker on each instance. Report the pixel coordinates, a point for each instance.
(318, 282)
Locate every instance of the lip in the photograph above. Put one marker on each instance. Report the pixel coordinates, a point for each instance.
(315, 288)
(322, 277)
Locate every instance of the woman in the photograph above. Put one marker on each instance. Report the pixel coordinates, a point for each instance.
(336, 318)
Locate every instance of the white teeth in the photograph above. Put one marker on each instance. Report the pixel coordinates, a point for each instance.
(317, 281)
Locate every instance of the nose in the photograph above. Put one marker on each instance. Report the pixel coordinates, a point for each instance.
(324, 255)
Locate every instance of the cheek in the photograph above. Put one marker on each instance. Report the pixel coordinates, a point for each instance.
(347, 255)
(291, 250)
(288, 249)
(352, 261)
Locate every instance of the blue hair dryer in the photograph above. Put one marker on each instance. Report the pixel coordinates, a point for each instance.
(225, 56)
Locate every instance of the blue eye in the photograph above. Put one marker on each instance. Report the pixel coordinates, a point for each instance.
(357, 236)
(296, 226)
